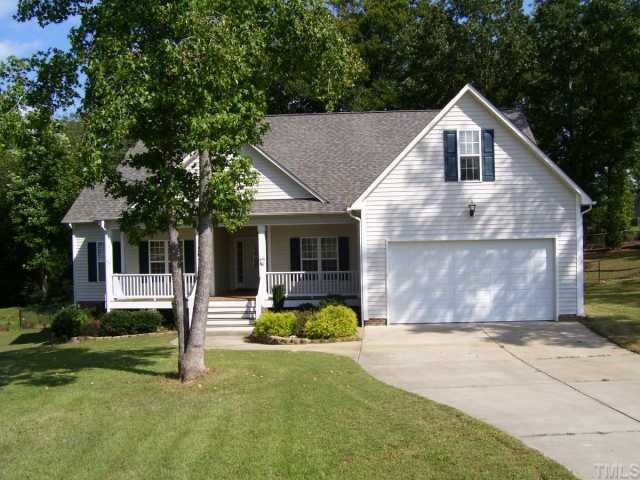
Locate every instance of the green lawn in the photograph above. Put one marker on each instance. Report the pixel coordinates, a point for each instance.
(613, 311)
(32, 317)
(111, 409)
(613, 305)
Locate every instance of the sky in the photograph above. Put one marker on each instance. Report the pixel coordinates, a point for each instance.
(23, 39)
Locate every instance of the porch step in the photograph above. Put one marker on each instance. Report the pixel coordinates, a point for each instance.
(230, 313)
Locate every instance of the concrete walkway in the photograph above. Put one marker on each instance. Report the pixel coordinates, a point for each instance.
(556, 386)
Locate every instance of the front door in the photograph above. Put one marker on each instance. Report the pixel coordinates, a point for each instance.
(245, 263)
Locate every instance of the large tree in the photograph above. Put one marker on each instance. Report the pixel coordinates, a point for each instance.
(41, 175)
(420, 53)
(193, 76)
(584, 104)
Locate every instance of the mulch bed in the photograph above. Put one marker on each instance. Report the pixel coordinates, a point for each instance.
(293, 340)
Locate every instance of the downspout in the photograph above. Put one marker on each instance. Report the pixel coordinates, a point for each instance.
(359, 220)
(588, 209)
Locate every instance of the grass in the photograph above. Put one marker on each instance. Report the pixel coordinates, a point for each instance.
(613, 305)
(32, 317)
(112, 409)
(613, 311)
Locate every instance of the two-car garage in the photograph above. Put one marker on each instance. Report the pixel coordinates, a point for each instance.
(471, 281)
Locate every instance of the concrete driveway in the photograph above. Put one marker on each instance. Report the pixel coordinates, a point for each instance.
(556, 386)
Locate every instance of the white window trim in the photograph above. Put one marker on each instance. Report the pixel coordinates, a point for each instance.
(479, 130)
(165, 249)
(167, 263)
(319, 257)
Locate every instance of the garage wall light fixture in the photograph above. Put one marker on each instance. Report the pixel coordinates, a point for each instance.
(472, 208)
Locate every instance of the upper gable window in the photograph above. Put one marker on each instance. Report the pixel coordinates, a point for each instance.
(469, 155)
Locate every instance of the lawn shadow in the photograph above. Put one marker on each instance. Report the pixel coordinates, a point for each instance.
(53, 366)
(37, 338)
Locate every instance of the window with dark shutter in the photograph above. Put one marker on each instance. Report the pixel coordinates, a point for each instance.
(143, 257)
(189, 256)
(117, 257)
(294, 254)
(92, 263)
(450, 156)
(343, 253)
(488, 160)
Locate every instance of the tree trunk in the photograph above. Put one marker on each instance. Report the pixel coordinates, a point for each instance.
(178, 303)
(194, 355)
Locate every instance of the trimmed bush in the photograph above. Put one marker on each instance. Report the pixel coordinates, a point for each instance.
(147, 321)
(278, 297)
(124, 322)
(302, 317)
(332, 300)
(280, 324)
(68, 321)
(333, 321)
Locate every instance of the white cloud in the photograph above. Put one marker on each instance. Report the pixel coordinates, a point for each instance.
(9, 47)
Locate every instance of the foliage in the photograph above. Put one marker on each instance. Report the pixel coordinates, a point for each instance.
(193, 76)
(279, 297)
(280, 324)
(68, 321)
(333, 321)
(307, 307)
(302, 317)
(34, 316)
(419, 54)
(584, 102)
(331, 300)
(41, 176)
(125, 322)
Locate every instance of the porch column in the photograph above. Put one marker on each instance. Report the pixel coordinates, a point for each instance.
(108, 268)
(262, 268)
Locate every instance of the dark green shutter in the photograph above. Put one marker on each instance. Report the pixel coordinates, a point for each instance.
(189, 256)
(93, 266)
(343, 253)
(294, 253)
(117, 257)
(450, 156)
(488, 161)
(143, 257)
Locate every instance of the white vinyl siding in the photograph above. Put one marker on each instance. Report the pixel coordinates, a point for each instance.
(274, 184)
(527, 200)
(84, 290)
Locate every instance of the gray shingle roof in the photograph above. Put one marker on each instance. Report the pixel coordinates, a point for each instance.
(337, 155)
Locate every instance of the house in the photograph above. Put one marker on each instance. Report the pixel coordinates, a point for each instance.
(451, 215)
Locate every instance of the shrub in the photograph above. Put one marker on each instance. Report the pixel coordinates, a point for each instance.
(146, 321)
(302, 317)
(306, 307)
(280, 324)
(278, 297)
(123, 322)
(332, 322)
(68, 321)
(332, 300)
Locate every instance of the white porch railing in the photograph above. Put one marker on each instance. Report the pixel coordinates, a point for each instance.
(148, 285)
(315, 284)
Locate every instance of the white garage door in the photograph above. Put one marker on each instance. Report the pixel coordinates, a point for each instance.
(471, 281)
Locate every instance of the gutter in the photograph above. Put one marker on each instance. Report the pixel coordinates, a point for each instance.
(359, 220)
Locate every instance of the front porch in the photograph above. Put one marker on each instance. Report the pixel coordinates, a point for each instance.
(310, 262)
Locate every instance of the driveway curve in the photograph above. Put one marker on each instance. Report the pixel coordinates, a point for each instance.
(556, 386)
